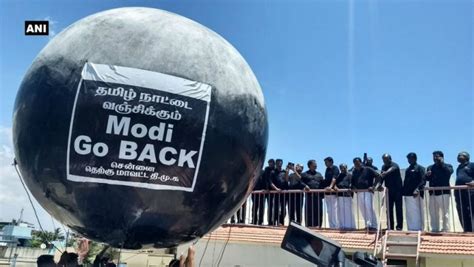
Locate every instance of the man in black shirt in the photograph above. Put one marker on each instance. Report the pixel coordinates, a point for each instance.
(295, 200)
(370, 164)
(259, 200)
(312, 179)
(465, 197)
(412, 191)
(276, 184)
(438, 175)
(331, 198)
(363, 179)
(344, 199)
(277, 201)
(392, 178)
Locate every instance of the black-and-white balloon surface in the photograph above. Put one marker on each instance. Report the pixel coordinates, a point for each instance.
(138, 127)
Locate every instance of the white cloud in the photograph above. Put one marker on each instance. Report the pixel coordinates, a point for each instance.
(12, 195)
(53, 26)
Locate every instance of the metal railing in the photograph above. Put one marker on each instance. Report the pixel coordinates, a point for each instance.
(343, 209)
(434, 210)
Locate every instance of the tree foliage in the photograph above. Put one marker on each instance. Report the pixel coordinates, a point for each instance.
(46, 237)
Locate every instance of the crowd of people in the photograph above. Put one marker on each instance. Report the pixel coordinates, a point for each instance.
(275, 190)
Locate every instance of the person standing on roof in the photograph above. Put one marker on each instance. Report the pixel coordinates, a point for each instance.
(330, 197)
(465, 198)
(392, 178)
(312, 180)
(344, 199)
(363, 179)
(413, 193)
(438, 175)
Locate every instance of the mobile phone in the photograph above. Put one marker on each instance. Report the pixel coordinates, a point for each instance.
(291, 165)
(311, 246)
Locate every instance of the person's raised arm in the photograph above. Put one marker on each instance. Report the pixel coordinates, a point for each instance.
(187, 261)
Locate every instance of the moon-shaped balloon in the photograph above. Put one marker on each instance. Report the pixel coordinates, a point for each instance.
(139, 127)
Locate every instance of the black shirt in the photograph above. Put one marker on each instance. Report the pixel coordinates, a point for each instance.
(331, 172)
(312, 179)
(440, 175)
(414, 180)
(393, 180)
(267, 178)
(278, 180)
(295, 182)
(373, 167)
(363, 178)
(344, 181)
(465, 173)
(259, 183)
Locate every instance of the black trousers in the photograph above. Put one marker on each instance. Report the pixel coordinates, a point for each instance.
(314, 209)
(465, 206)
(258, 208)
(273, 208)
(241, 213)
(295, 206)
(283, 199)
(395, 197)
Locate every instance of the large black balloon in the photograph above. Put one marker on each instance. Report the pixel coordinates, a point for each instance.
(130, 216)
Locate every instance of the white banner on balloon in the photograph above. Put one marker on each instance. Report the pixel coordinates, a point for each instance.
(138, 128)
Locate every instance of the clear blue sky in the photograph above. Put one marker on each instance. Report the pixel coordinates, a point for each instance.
(339, 78)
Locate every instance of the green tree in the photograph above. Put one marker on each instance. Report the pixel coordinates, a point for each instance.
(46, 237)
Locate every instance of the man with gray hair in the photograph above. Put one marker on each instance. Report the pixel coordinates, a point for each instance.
(465, 198)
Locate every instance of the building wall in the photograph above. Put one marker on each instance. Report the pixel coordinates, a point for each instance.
(447, 262)
(243, 255)
(144, 259)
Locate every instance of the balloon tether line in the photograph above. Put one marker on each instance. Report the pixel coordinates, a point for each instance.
(205, 248)
(15, 165)
(225, 246)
